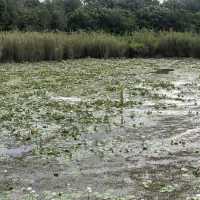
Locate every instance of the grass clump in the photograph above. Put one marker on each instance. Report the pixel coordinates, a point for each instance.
(34, 46)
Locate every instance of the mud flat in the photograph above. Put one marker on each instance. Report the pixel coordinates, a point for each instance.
(100, 129)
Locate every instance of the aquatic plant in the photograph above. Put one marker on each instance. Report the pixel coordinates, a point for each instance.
(34, 46)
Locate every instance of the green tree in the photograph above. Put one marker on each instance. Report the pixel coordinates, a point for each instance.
(116, 20)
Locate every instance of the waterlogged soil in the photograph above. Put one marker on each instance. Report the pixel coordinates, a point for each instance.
(100, 129)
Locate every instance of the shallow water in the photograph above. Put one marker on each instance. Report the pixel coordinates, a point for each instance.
(164, 71)
(16, 152)
(109, 129)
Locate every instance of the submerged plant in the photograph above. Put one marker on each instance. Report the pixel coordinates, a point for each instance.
(122, 95)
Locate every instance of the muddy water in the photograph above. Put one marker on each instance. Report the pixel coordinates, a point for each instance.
(142, 141)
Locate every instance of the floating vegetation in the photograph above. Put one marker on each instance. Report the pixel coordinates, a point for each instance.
(100, 129)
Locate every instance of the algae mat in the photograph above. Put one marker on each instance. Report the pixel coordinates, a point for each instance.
(100, 129)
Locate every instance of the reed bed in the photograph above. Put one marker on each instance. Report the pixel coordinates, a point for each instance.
(34, 46)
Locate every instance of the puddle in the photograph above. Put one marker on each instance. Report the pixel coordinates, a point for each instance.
(72, 100)
(164, 71)
(17, 152)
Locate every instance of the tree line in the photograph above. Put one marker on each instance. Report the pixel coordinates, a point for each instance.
(115, 16)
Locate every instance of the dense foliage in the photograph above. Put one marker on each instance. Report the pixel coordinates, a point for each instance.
(34, 46)
(116, 16)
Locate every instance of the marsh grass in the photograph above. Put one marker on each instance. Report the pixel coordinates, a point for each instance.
(33, 46)
(122, 95)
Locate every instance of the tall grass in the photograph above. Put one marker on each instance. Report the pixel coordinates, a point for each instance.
(33, 46)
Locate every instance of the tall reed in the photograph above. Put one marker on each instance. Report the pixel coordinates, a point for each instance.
(34, 46)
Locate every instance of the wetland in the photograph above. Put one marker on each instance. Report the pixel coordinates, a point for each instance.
(87, 129)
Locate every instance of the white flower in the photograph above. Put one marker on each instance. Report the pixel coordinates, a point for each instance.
(54, 194)
(29, 189)
(89, 189)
